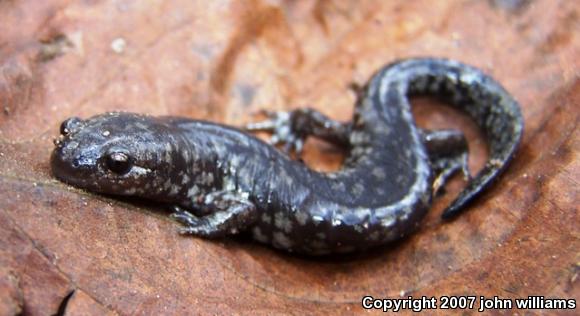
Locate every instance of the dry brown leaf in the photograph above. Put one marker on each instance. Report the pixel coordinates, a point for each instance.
(221, 60)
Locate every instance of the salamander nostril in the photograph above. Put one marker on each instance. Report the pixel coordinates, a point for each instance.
(69, 125)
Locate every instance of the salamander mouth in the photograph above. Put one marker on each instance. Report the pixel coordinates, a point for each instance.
(68, 171)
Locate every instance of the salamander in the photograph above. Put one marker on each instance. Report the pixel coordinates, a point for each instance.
(220, 180)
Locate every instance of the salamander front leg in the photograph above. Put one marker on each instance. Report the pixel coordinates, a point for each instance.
(184, 216)
(448, 153)
(292, 128)
(233, 213)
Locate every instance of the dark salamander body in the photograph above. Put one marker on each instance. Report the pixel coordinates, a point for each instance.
(221, 180)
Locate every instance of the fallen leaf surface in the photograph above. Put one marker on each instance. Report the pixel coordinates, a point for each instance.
(67, 251)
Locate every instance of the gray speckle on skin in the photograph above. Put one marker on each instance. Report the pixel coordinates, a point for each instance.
(282, 240)
(193, 191)
(186, 156)
(379, 173)
(259, 236)
(301, 217)
(174, 190)
(239, 183)
(337, 186)
(358, 189)
(209, 178)
(282, 222)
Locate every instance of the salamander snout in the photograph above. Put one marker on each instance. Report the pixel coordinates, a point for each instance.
(69, 162)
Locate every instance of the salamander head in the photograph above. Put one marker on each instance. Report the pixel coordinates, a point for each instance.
(114, 153)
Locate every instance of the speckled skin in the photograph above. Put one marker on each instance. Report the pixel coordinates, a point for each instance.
(222, 180)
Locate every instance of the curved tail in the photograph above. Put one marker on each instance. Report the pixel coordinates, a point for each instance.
(493, 109)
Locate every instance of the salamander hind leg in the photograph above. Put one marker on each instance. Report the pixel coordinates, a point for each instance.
(292, 128)
(448, 152)
(232, 214)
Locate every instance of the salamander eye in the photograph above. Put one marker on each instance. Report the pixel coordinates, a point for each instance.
(118, 162)
(70, 124)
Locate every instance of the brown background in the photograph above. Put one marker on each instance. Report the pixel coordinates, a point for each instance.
(221, 60)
